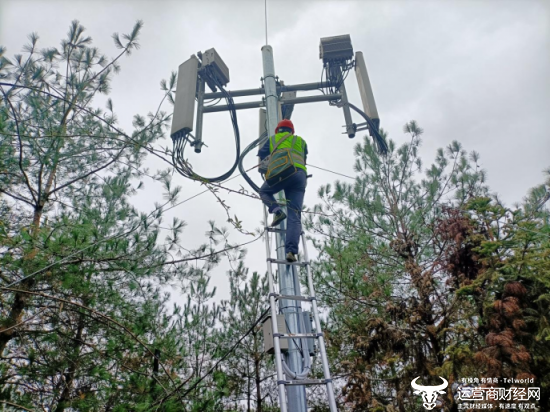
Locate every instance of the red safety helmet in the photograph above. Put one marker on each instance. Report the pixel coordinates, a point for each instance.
(285, 123)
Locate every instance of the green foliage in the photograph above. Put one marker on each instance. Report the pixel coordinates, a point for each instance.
(425, 275)
(249, 370)
(85, 325)
(420, 271)
(514, 251)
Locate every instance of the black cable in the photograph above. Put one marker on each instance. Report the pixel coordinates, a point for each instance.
(335, 82)
(204, 191)
(213, 104)
(180, 141)
(346, 73)
(330, 171)
(243, 173)
(259, 141)
(322, 74)
(379, 141)
(185, 168)
(216, 364)
(299, 346)
(335, 78)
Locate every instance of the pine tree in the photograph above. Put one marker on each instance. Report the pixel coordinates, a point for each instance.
(200, 343)
(83, 317)
(379, 269)
(250, 370)
(510, 288)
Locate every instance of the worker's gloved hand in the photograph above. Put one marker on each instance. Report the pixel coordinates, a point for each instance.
(308, 176)
(263, 165)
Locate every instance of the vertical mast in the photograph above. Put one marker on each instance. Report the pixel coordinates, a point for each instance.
(287, 274)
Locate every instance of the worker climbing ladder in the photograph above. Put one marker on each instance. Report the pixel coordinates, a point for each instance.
(286, 377)
(208, 68)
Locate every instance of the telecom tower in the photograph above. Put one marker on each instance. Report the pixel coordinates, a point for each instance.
(289, 332)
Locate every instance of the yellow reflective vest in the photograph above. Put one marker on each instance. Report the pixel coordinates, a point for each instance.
(296, 143)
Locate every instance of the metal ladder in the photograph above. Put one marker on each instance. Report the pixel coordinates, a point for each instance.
(274, 297)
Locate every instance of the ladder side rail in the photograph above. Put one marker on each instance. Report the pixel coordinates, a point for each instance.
(300, 327)
(302, 343)
(321, 339)
(291, 309)
(275, 330)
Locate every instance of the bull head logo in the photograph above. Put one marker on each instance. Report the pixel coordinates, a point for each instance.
(429, 393)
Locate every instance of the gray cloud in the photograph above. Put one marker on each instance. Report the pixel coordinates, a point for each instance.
(474, 71)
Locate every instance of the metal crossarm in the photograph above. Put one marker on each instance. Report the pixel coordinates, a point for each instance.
(284, 262)
(295, 335)
(292, 297)
(307, 382)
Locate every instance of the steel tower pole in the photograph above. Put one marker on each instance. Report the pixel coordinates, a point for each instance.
(288, 281)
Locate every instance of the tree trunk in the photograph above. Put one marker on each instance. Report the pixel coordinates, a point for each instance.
(248, 391)
(69, 376)
(258, 382)
(20, 298)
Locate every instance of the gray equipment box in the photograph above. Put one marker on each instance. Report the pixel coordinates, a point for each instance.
(211, 58)
(309, 329)
(336, 48)
(263, 122)
(268, 334)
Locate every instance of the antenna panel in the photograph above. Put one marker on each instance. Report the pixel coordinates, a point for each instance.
(186, 89)
(365, 89)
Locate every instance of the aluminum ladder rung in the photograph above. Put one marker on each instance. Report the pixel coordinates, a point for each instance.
(284, 262)
(277, 230)
(304, 382)
(292, 297)
(274, 229)
(297, 335)
(275, 299)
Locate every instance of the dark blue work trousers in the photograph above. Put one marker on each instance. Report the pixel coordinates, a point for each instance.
(295, 189)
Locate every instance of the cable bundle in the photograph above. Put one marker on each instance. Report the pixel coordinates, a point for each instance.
(181, 164)
(180, 140)
(259, 141)
(335, 78)
(379, 141)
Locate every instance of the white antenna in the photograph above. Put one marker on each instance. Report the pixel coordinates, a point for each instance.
(265, 7)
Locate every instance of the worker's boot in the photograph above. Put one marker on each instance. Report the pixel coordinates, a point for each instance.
(291, 257)
(278, 218)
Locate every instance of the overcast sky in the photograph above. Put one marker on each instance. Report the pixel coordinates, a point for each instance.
(472, 71)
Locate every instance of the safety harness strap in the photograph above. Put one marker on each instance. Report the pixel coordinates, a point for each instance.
(296, 155)
(275, 146)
